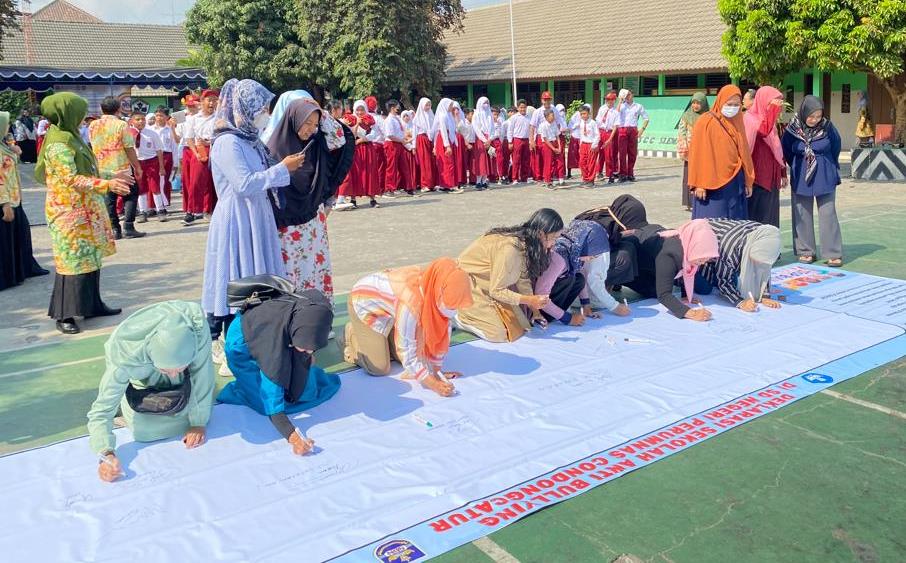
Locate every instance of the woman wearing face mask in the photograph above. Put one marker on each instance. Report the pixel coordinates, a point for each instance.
(721, 173)
(301, 209)
(159, 374)
(504, 264)
(404, 314)
(270, 349)
(811, 146)
(242, 240)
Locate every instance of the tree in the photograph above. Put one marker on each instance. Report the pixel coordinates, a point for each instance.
(767, 39)
(247, 39)
(376, 47)
(9, 19)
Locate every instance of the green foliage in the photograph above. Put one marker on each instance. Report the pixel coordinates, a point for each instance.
(9, 18)
(573, 107)
(14, 102)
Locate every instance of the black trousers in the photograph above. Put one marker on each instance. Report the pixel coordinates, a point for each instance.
(565, 292)
(623, 262)
(219, 325)
(764, 206)
(17, 260)
(130, 202)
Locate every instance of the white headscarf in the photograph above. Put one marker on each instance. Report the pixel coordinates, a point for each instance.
(761, 250)
(482, 120)
(424, 118)
(562, 110)
(529, 110)
(444, 118)
(282, 103)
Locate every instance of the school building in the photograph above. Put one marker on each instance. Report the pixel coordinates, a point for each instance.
(661, 49)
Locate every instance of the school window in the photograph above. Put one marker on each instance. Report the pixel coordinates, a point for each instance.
(530, 92)
(681, 82)
(648, 86)
(479, 91)
(808, 90)
(845, 95)
(565, 91)
(457, 92)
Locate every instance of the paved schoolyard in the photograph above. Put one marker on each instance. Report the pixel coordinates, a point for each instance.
(821, 480)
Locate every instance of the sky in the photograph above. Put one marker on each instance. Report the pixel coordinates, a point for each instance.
(158, 11)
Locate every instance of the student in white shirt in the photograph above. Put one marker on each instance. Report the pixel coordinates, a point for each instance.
(198, 135)
(150, 151)
(504, 167)
(422, 125)
(484, 129)
(586, 131)
(572, 157)
(396, 171)
(496, 142)
(551, 147)
(163, 126)
(518, 139)
(410, 181)
(535, 121)
(184, 154)
(608, 121)
(630, 114)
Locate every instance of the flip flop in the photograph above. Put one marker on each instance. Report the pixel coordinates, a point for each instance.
(834, 262)
(807, 259)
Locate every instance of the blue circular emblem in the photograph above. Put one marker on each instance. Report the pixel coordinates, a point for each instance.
(818, 378)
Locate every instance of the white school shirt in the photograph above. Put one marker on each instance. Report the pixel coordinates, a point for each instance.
(608, 119)
(519, 128)
(587, 132)
(150, 144)
(538, 119)
(42, 128)
(409, 128)
(166, 137)
(201, 127)
(549, 131)
(393, 127)
(377, 132)
(631, 113)
(574, 122)
(465, 129)
(496, 128)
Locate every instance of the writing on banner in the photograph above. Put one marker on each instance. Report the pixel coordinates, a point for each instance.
(521, 500)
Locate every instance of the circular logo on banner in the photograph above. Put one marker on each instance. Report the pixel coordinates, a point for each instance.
(818, 378)
(398, 551)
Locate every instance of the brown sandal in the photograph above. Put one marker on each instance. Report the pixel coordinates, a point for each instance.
(834, 262)
(807, 259)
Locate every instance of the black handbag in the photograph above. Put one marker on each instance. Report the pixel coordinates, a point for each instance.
(254, 290)
(160, 401)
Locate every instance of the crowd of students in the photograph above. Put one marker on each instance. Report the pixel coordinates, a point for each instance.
(267, 287)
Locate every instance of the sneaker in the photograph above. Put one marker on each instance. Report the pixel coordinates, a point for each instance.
(375, 204)
(342, 206)
(217, 354)
(206, 217)
(152, 213)
(141, 218)
(188, 219)
(389, 195)
(426, 190)
(457, 190)
(561, 181)
(163, 216)
(547, 186)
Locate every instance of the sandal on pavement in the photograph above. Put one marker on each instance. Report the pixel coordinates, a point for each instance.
(834, 262)
(807, 259)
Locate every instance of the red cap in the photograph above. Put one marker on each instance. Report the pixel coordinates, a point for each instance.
(190, 100)
(546, 95)
(210, 93)
(611, 96)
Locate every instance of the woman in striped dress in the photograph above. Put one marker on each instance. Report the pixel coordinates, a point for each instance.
(742, 272)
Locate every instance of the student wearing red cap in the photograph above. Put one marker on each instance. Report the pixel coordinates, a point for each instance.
(534, 138)
(199, 134)
(608, 120)
(629, 133)
(377, 139)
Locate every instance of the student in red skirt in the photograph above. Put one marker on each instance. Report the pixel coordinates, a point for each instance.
(360, 181)
(462, 148)
(483, 127)
(443, 130)
(608, 121)
(199, 134)
(586, 134)
(376, 137)
(422, 125)
(504, 164)
(186, 156)
(551, 148)
(396, 170)
(496, 175)
(411, 162)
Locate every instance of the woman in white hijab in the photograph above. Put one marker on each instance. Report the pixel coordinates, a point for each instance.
(483, 126)
(443, 131)
(422, 126)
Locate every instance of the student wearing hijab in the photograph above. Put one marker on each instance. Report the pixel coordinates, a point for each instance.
(697, 107)
(578, 268)
(242, 240)
(463, 147)
(742, 272)
(483, 127)
(503, 265)
(301, 208)
(410, 161)
(17, 260)
(767, 155)
(667, 256)
(811, 146)
(361, 180)
(404, 315)
(80, 232)
(396, 171)
(721, 173)
(422, 127)
(271, 349)
(620, 220)
(443, 131)
(279, 111)
(159, 374)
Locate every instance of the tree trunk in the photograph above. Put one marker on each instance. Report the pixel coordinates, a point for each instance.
(897, 90)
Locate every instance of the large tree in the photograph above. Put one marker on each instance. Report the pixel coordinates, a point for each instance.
(361, 47)
(9, 18)
(248, 39)
(767, 39)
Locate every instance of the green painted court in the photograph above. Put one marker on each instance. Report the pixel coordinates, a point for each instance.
(821, 480)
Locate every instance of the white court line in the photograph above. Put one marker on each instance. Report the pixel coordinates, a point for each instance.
(866, 404)
(494, 551)
(850, 220)
(54, 366)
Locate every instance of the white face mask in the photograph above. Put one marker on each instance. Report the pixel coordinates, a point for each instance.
(261, 120)
(729, 111)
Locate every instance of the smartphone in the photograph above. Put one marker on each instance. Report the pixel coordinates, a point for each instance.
(305, 150)
(179, 116)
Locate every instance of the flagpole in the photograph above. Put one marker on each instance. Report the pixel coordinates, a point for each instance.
(513, 53)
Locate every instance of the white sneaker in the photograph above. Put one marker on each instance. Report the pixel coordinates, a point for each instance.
(342, 206)
(331, 335)
(561, 181)
(217, 355)
(225, 370)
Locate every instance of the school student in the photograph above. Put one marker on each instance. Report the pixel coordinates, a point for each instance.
(572, 158)
(585, 133)
(396, 168)
(422, 126)
(550, 146)
(502, 265)
(410, 160)
(608, 120)
(361, 180)
(465, 140)
(630, 115)
(518, 139)
(443, 131)
(270, 348)
(504, 164)
(483, 127)
(495, 155)
(150, 151)
(163, 126)
(198, 136)
(404, 315)
(159, 375)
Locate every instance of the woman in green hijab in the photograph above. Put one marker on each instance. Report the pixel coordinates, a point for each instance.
(159, 374)
(79, 226)
(698, 105)
(17, 261)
